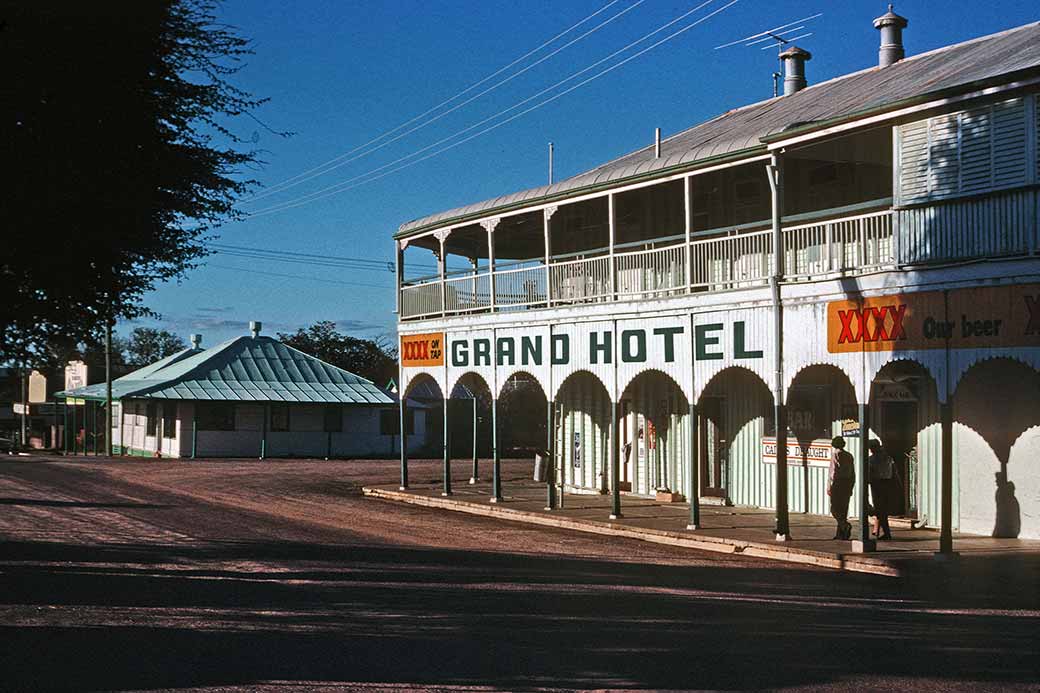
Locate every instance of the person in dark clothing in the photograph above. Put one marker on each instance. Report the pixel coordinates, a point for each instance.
(840, 480)
(884, 487)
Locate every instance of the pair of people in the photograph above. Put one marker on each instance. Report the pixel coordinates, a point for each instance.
(885, 487)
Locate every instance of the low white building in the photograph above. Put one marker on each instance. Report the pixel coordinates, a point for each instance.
(251, 396)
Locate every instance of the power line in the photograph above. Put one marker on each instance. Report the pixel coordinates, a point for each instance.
(305, 176)
(299, 276)
(350, 183)
(335, 261)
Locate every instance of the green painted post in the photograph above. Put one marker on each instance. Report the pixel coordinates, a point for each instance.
(946, 482)
(404, 442)
(550, 463)
(615, 464)
(695, 463)
(75, 431)
(447, 452)
(93, 429)
(783, 520)
(496, 462)
(476, 470)
(864, 544)
(194, 430)
(64, 424)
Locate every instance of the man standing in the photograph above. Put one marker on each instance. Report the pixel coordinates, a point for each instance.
(840, 480)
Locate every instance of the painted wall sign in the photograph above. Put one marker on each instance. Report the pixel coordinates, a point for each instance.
(978, 317)
(422, 349)
(817, 454)
(577, 449)
(37, 388)
(638, 345)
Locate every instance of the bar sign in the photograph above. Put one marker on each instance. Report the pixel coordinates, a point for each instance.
(422, 349)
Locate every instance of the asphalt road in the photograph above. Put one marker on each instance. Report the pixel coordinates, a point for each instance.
(281, 576)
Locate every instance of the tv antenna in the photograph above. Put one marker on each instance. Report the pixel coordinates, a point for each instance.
(778, 36)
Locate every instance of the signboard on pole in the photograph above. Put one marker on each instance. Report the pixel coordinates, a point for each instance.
(37, 388)
(75, 375)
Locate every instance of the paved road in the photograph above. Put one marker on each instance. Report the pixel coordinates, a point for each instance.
(280, 576)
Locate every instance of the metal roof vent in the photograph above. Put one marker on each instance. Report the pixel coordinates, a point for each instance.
(196, 341)
(254, 328)
(794, 69)
(891, 26)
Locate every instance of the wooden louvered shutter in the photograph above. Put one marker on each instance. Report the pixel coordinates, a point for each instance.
(973, 151)
(913, 162)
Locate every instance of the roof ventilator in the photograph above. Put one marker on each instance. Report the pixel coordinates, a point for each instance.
(891, 26)
(254, 328)
(196, 341)
(794, 69)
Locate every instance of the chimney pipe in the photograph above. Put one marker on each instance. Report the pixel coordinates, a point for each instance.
(794, 69)
(550, 163)
(657, 143)
(891, 26)
(254, 328)
(196, 341)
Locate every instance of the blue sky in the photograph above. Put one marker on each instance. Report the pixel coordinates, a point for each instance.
(339, 74)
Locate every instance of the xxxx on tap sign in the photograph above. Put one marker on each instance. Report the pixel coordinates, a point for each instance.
(978, 317)
(422, 349)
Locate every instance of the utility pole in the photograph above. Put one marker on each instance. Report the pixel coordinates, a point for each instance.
(108, 386)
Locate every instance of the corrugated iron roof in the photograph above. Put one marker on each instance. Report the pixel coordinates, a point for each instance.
(947, 70)
(253, 369)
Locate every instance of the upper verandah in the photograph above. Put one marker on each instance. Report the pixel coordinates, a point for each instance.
(976, 64)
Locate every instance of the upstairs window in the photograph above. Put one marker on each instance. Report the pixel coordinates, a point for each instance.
(974, 151)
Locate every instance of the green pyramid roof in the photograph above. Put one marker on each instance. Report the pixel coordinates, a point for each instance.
(252, 369)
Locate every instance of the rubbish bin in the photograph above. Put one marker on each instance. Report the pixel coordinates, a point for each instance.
(541, 466)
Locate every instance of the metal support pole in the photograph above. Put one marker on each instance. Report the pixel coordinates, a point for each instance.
(783, 524)
(695, 463)
(194, 430)
(496, 461)
(447, 453)
(476, 469)
(263, 434)
(64, 423)
(402, 412)
(615, 464)
(75, 428)
(864, 544)
(25, 407)
(108, 387)
(93, 429)
(946, 482)
(550, 469)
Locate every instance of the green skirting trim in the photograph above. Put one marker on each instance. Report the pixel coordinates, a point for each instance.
(132, 452)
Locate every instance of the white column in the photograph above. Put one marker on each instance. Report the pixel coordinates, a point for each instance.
(613, 271)
(688, 221)
(546, 217)
(489, 226)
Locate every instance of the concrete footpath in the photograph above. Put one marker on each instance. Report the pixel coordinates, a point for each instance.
(724, 529)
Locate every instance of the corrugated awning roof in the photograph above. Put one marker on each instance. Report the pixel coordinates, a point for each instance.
(951, 69)
(131, 381)
(250, 369)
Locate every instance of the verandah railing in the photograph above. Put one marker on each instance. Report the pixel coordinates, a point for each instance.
(733, 260)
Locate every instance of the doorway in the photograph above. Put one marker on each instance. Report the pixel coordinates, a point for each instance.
(714, 448)
(898, 431)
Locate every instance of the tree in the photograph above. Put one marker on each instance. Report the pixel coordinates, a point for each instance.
(372, 359)
(115, 123)
(147, 345)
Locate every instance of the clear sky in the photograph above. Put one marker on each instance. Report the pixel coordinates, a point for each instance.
(342, 73)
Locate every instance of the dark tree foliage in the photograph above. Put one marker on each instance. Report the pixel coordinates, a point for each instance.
(112, 130)
(148, 344)
(372, 359)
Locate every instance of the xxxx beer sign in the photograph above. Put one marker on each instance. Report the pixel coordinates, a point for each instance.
(422, 349)
(975, 318)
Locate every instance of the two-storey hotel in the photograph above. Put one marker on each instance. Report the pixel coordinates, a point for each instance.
(857, 257)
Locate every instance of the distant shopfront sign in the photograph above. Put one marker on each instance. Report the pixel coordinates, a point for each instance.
(75, 375)
(975, 318)
(816, 454)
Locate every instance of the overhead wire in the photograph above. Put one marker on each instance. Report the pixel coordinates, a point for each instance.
(299, 276)
(355, 263)
(339, 160)
(356, 181)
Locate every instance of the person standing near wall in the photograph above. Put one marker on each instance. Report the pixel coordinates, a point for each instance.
(884, 486)
(840, 480)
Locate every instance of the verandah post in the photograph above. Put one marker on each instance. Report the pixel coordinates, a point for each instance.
(694, 454)
(447, 452)
(496, 470)
(615, 464)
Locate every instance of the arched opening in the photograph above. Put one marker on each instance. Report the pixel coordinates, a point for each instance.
(996, 444)
(904, 415)
(582, 432)
(523, 404)
(469, 421)
(425, 412)
(821, 404)
(653, 435)
(735, 414)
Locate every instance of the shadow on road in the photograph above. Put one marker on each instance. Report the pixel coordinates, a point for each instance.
(80, 504)
(238, 613)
